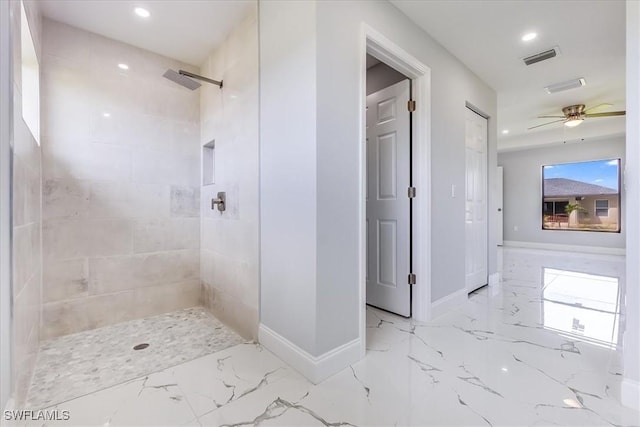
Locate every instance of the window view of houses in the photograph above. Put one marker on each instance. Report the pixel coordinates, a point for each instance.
(583, 196)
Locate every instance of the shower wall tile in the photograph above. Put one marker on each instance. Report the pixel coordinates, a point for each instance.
(76, 238)
(229, 241)
(230, 311)
(166, 167)
(113, 274)
(156, 235)
(128, 200)
(120, 161)
(66, 279)
(26, 254)
(26, 221)
(64, 198)
(75, 315)
(85, 160)
(185, 201)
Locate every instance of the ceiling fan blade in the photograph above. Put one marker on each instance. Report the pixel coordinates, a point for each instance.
(544, 124)
(551, 117)
(596, 107)
(609, 114)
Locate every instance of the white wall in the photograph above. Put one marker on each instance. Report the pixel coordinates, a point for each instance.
(523, 192)
(229, 241)
(631, 343)
(288, 241)
(312, 272)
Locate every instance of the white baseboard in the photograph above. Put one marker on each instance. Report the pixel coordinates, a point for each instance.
(494, 284)
(630, 393)
(494, 279)
(448, 303)
(315, 368)
(565, 248)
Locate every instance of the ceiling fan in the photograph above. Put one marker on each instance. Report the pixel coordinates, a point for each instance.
(575, 114)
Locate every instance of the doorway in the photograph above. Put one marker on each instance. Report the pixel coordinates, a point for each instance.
(476, 193)
(384, 50)
(388, 196)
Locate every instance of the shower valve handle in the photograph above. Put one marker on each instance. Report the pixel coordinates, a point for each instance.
(220, 201)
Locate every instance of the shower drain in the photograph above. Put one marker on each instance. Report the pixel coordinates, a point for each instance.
(140, 346)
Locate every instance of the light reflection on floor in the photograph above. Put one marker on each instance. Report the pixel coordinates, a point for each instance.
(585, 306)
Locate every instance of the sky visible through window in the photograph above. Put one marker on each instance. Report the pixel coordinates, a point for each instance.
(600, 172)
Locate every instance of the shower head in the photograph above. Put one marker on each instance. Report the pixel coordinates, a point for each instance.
(184, 78)
(176, 77)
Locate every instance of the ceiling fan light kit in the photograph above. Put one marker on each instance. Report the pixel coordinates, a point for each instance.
(575, 114)
(571, 123)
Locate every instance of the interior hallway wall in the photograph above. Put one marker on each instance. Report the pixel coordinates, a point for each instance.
(27, 223)
(229, 240)
(311, 177)
(121, 186)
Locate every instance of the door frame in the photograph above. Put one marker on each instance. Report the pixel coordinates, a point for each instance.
(380, 47)
(500, 200)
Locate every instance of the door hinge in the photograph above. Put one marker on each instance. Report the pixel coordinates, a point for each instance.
(412, 279)
(411, 192)
(411, 105)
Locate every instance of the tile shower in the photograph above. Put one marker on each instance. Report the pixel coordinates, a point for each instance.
(120, 159)
(130, 251)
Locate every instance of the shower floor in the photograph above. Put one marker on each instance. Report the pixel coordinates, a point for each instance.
(74, 365)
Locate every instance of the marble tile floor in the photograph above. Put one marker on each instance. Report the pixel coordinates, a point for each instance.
(74, 365)
(531, 351)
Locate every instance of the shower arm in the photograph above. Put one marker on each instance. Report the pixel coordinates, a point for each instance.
(197, 77)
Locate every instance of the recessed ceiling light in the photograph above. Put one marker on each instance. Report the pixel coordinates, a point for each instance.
(505, 369)
(106, 114)
(142, 12)
(505, 131)
(123, 66)
(529, 36)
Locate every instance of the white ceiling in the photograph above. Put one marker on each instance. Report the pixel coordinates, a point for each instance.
(186, 30)
(486, 36)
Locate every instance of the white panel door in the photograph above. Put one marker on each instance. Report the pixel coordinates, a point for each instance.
(388, 226)
(500, 213)
(476, 201)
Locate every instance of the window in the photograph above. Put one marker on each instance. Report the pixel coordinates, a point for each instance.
(555, 207)
(30, 78)
(581, 196)
(602, 208)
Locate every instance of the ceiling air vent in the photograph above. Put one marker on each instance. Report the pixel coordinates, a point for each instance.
(570, 84)
(542, 56)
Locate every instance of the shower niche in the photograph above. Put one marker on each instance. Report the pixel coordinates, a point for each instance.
(208, 163)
